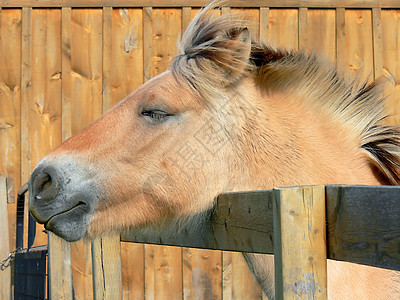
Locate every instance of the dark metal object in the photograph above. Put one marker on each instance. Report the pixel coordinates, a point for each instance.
(30, 264)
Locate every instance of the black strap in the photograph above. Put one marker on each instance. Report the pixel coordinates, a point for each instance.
(20, 221)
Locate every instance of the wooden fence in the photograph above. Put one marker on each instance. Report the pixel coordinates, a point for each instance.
(350, 223)
(302, 226)
(63, 63)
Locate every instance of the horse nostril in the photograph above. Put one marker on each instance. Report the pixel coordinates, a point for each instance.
(45, 185)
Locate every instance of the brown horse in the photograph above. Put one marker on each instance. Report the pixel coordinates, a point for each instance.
(229, 115)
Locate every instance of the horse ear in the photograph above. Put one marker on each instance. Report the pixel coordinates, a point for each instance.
(220, 46)
(240, 56)
(244, 39)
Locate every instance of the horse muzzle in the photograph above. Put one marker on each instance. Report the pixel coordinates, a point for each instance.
(62, 196)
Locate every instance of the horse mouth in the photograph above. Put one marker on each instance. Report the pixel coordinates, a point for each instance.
(79, 209)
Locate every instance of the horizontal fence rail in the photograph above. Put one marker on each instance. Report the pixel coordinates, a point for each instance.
(363, 225)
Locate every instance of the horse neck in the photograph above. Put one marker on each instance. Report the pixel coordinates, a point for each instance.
(289, 143)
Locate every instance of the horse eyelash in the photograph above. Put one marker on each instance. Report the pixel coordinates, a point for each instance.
(156, 115)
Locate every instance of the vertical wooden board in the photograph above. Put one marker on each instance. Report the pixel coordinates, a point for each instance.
(252, 16)
(82, 269)
(147, 43)
(227, 287)
(186, 17)
(26, 74)
(132, 259)
(45, 105)
(10, 104)
(106, 261)
(149, 272)
(202, 274)
(86, 64)
(194, 11)
(66, 73)
(44, 129)
(166, 30)
(321, 32)
(237, 281)
(86, 106)
(107, 58)
(127, 52)
(300, 243)
(377, 41)
(283, 28)
(358, 43)
(391, 61)
(303, 28)
(126, 76)
(167, 273)
(10, 60)
(243, 281)
(225, 10)
(163, 273)
(26, 96)
(60, 274)
(5, 275)
(264, 24)
(340, 38)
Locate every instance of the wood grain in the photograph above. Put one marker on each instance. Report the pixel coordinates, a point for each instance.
(106, 261)
(128, 51)
(283, 28)
(303, 28)
(198, 3)
(358, 44)
(66, 73)
(364, 225)
(322, 32)
(107, 58)
(242, 221)
(44, 116)
(340, 38)
(300, 243)
(391, 62)
(26, 74)
(377, 42)
(202, 270)
(10, 104)
(264, 24)
(186, 17)
(5, 275)
(60, 271)
(16, 86)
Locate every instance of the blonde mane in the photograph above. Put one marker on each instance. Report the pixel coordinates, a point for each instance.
(211, 59)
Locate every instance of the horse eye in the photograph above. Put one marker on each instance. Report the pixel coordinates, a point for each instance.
(156, 115)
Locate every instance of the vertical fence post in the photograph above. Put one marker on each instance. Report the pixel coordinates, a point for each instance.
(60, 273)
(5, 275)
(106, 261)
(300, 243)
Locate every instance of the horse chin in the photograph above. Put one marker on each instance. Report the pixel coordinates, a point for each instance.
(70, 225)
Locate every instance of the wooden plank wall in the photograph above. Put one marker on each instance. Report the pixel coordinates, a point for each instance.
(62, 67)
